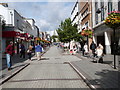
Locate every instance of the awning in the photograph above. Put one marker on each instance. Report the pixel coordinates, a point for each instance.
(10, 34)
(25, 35)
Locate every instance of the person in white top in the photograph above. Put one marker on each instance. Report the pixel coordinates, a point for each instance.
(100, 45)
(86, 48)
(99, 52)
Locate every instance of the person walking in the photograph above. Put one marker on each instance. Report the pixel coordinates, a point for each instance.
(100, 45)
(22, 51)
(29, 52)
(9, 52)
(79, 47)
(38, 50)
(86, 49)
(93, 47)
(99, 52)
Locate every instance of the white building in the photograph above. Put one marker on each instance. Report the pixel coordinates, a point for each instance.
(74, 14)
(103, 34)
(34, 30)
(17, 26)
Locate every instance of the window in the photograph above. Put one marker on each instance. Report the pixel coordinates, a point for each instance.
(86, 24)
(85, 12)
(109, 7)
(17, 23)
(102, 11)
(96, 15)
(119, 6)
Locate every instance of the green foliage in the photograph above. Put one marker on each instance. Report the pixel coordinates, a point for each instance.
(53, 37)
(67, 31)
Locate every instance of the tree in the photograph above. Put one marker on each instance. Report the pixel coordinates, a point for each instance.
(67, 31)
(54, 38)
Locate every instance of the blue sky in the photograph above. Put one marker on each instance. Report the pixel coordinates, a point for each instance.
(47, 15)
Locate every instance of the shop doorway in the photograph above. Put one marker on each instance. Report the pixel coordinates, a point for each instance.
(101, 39)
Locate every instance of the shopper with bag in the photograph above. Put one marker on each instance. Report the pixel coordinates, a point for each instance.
(38, 50)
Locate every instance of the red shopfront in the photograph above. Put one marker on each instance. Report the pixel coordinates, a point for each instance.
(16, 37)
(11, 36)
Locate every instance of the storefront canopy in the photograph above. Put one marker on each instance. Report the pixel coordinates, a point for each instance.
(10, 34)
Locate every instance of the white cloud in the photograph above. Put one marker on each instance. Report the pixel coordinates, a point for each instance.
(47, 15)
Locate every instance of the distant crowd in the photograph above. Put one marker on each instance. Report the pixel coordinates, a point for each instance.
(96, 51)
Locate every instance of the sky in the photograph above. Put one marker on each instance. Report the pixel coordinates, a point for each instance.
(48, 15)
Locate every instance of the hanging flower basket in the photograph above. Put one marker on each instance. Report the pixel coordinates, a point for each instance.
(87, 32)
(113, 19)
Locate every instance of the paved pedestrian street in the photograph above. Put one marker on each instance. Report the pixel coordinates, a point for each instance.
(49, 72)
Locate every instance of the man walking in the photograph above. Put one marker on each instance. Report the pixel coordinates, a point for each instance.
(22, 51)
(9, 53)
(93, 47)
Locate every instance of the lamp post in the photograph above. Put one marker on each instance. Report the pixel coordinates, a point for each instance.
(114, 43)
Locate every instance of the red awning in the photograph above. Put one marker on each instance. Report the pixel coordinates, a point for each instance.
(25, 35)
(10, 34)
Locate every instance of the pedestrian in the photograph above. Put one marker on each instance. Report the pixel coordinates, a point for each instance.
(100, 45)
(38, 50)
(93, 47)
(29, 52)
(79, 47)
(86, 49)
(22, 51)
(9, 53)
(99, 52)
(74, 49)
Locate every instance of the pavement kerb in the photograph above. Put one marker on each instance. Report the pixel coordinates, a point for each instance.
(91, 60)
(83, 77)
(13, 74)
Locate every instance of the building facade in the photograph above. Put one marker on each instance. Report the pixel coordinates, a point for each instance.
(0, 44)
(74, 14)
(19, 28)
(102, 33)
(85, 18)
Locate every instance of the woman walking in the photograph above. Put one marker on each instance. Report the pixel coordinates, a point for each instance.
(86, 49)
(99, 52)
(38, 50)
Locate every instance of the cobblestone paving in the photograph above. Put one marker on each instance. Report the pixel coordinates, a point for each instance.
(50, 72)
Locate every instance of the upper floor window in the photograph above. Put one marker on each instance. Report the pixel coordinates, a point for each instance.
(96, 15)
(102, 11)
(109, 7)
(86, 24)
(85, 12)
(119, 6)
(17, 23)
